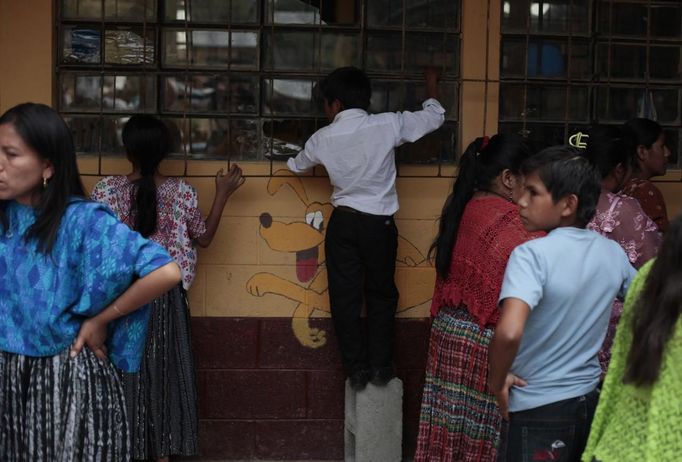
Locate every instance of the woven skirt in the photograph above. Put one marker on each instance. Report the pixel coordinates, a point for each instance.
(162, 397)
(58, 409)
(459, 419)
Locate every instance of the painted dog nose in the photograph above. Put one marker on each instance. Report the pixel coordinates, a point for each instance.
(265, 220)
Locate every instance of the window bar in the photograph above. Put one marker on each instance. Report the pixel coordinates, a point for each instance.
(228, 142)
(102, 50)
(569, 73)
(186, 130)
(524, 115)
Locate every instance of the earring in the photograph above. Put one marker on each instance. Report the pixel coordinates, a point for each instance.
(44, 182)
(510, 197)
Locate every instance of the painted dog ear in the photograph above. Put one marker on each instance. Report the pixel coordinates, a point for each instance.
(284, 177)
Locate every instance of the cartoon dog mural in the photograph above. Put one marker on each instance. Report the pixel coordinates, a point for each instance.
(305, 239)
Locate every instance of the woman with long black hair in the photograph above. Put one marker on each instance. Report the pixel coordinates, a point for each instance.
(479, 228)
(72, 280)
(638, 416)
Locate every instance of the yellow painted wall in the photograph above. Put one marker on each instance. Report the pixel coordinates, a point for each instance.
(243, 273)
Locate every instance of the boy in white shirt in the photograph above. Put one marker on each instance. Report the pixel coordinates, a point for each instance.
(556, 298)
(358, 151)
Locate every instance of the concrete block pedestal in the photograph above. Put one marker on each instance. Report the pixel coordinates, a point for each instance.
(374, 423)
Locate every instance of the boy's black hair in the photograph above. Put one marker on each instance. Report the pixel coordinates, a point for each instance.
(563, 171)
(349, 85)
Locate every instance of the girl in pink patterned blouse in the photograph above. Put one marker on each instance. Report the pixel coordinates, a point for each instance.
(161, 398)
(618, 217)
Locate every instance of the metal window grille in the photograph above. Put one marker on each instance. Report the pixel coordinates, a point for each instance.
(566, 64)
(235, 79)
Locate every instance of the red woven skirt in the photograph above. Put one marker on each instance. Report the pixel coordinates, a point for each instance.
(459, 418)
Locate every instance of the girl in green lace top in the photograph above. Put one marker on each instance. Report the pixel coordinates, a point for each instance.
(639, 416)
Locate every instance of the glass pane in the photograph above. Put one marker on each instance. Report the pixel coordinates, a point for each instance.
(546, 103)
(431, 148)
(384, 52)
(415, 94)
(666, 106)
(339, 50)
(547, 58)
(244, 50)
(175, 94)
(244, 139)
(285, 138)
(512, 105)
(578, 104)
(541, 135)
(112, 127)
(244, 11)
(625, 61)
(288, 97)
(289, 50)
(81, 9)
(439, 50)
(666, 21)
(432, 13)
(384, 13)
(387, 96)
(80, 92)
(515, 15)
(81, 45)
(85, 131)
(129, 93)
(210, 93)
(175, 47)
(664, 62)
(625, 19)
(209, 138)
(178, 132)
(212, 11)
(210, 48)
(622, 103)
(559, 16)
(312, 12)
(128, 47)
(244, 91)
(130, 10)
(292, 12)
(513, 57)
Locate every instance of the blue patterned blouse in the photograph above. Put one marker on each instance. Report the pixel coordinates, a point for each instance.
(45, 298)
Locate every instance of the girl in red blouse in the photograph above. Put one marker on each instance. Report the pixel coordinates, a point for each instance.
(479, 228)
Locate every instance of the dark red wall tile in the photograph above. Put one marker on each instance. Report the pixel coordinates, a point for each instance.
(411, 346)
(326, 394)
(279, 348)
(220, 439)
(225, 343)
(247, 394)
(299, 439)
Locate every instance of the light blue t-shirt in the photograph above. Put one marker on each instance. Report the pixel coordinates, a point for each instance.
(569, 279)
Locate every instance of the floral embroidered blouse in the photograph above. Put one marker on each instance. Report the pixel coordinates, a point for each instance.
(651, 200)
(621, 218)
(179, 220)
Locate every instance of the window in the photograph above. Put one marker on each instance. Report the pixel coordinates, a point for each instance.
(235, 79)
(568, 63)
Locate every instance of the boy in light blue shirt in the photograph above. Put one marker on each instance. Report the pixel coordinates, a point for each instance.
(556, 298)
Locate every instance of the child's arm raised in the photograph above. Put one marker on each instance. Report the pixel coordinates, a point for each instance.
(503, 349)
(225, 185)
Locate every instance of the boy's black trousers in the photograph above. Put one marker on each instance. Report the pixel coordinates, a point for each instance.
(361, 251)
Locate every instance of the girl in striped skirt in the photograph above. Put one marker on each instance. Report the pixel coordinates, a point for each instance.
(162, 397)
(72, 279)
(479, 227)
